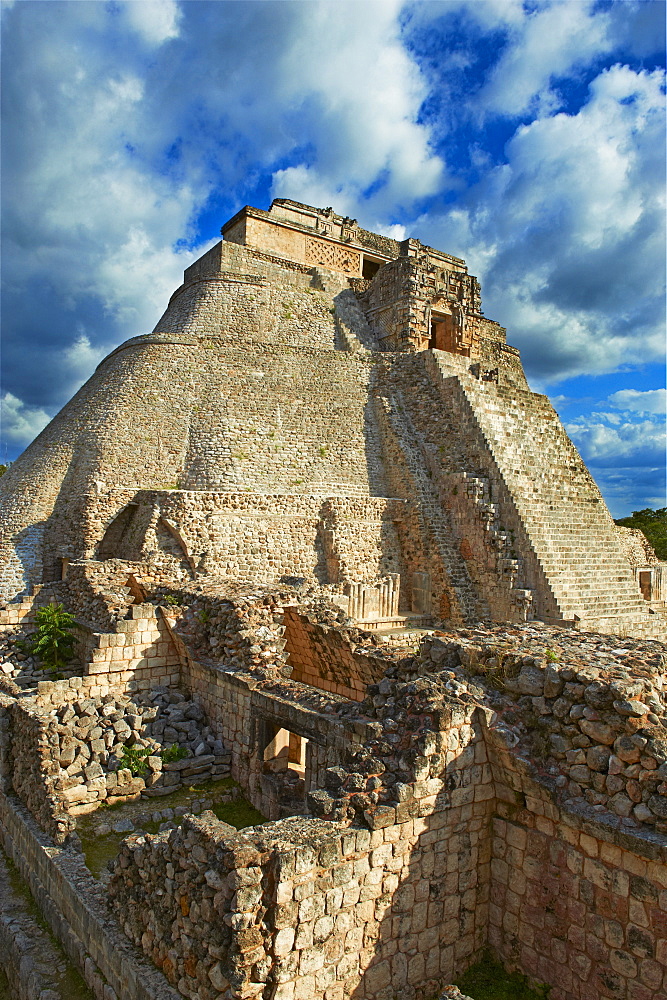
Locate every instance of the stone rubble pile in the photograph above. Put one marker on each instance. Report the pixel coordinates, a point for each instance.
(592, 711)
(89, 737)
(587, 711)
(21, 668)
(245, 632)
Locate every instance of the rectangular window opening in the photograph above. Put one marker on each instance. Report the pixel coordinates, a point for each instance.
(370, 267)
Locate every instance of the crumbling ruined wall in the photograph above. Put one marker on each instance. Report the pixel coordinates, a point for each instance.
(34, 743)
(467, 845)
(325, 658)
(334, 909)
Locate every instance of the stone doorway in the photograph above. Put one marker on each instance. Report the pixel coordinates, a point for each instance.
(284, 767)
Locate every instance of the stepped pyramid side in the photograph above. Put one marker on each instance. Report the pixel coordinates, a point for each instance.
(321, 402)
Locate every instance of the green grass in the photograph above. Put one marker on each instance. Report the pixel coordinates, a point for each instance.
(98, 850)
(239, 814)
(488, 981)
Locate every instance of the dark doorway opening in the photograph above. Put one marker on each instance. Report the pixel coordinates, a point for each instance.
(370, 267)
(284, 763)
(645, 585)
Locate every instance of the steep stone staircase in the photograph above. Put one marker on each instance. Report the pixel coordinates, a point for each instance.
(560, 508)
(434, 518)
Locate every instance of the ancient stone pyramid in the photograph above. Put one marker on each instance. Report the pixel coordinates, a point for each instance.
(322, 403)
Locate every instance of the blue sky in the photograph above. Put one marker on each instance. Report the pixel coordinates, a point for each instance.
(528, 138)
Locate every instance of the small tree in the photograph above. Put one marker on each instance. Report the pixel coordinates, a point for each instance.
(53, 641)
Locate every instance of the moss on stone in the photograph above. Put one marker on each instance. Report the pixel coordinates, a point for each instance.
(487, 980)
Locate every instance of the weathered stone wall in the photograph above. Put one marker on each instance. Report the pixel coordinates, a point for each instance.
(575, 903)
(324, 539)
(592, 712)
(324, 657)
(34, 774)
(449, 809)
(345, 912)
(74, 905)
(224, 423)
(406, 294)
(30, 962)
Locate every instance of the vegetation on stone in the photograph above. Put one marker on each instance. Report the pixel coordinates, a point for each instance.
(487, 980)
(53, 641)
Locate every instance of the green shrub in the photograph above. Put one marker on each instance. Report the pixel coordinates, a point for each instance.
(134, 759)
(53, 642)
(174, 752)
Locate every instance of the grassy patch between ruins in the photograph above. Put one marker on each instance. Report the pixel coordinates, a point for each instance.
(487, 980)
(99, 849)
(239, 814)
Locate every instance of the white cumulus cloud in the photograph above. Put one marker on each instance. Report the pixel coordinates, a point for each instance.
(156, 21)
(20, 423)
(641, 401)
(605, 445)
(568, 234)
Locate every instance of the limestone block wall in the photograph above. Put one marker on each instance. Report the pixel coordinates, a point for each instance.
(591, 712)
(323, 539)
(481, 853)
(5, 742)
(74, 905)
(248, 309)
(324, 658)
(573, 903)
(137, 655)
(402, 297)
(349, 911)
(637, 548)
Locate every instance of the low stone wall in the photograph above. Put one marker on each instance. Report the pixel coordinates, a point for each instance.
(140, 651)
(34, 744)
(305, 905)
(74, 906)
(33, 965)
(65, 751)
(15, 613)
